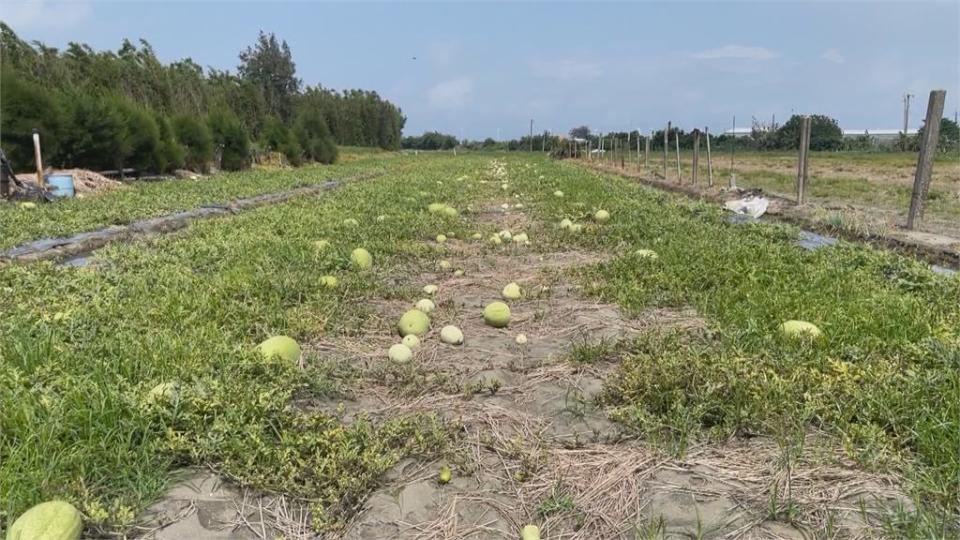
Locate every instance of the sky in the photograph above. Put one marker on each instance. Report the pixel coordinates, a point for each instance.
(485, 69)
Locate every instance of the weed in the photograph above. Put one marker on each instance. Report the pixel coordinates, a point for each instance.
(558, 502)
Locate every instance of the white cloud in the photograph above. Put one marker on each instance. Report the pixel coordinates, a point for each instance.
(38, 14)
(568, 69)
(736, 52)
(452, 94)
(833, 55)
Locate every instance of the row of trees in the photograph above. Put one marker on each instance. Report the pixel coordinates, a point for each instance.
(825, 135)
(431, 140)
(111, 110)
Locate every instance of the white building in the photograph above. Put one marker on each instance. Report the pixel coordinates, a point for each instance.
(878, 135)
(739, 132)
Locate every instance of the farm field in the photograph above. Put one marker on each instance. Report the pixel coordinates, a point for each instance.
(867, 190)
(140, 200)
(652, 393)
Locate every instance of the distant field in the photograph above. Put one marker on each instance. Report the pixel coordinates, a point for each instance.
(883, 180)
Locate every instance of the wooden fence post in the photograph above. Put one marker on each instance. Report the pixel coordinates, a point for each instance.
(706, 131)
(666, 148)
(928, 151)
(696, 155)
(646, 149)
(806, 154)
(679, 176)
(638, 149)
(39, 161)
(802, 159)
(733, 149)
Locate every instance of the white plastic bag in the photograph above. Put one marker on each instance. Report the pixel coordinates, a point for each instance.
(750, 206)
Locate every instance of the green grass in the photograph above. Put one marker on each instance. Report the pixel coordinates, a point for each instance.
(81, 348)
(836, 176)
(142, 200)
(940, 201)
(885, 379)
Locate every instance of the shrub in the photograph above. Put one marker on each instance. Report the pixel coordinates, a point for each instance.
(171, 153)
(197, 141)
(314, 136)
(26, 106)
(229, 136)
(277, 137)
(825, 133)
(95, 134)
(142, 136)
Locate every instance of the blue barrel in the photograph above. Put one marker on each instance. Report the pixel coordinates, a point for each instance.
(61, 185)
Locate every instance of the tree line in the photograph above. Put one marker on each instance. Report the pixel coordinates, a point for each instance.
(825, 135)
(127, 109)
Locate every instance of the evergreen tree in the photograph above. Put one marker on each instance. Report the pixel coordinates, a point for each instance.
(269, 65)
(27, 106)
(171, 153)
(196, 140)
(230, 138)
(277, 137)
(95, 133)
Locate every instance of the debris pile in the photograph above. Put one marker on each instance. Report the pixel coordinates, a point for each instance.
(84, 181)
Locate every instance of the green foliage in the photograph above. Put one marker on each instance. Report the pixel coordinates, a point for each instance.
(884, 379)
(230, 138)
(580, 132)
(269, 66)
(357, 117)
(825, 133)
(27, 106)
(189, 308)
(277, 137)
(196, 139)
(143, 136)
(170, 154)
(148, 199)
(95, 132)
(40, 81)
(431, 140)
(879, 380)
(948, 140)
(314, 136)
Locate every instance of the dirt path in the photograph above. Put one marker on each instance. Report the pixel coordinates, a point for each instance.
(536, 444)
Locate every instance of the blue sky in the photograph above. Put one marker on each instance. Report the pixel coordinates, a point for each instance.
(484, 68)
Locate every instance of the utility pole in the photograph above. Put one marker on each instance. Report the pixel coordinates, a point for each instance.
(906, 118)
(531, 134)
